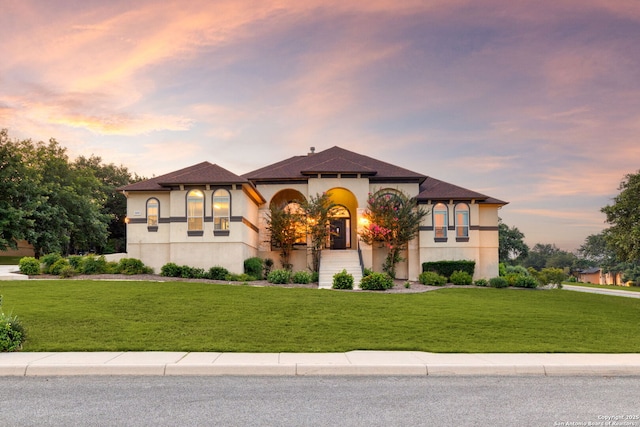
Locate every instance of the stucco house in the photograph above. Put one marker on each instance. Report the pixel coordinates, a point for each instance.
(205, 215)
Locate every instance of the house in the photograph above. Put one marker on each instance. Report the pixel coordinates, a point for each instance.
(597, 276)
(205, 215)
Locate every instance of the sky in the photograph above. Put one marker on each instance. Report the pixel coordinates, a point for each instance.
(533, 102)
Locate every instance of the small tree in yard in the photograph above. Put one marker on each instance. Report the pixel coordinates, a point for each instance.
(393, 220)
(286, 228)
(318, 210)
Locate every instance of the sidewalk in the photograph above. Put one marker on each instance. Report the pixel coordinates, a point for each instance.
(7, 273)
(390, 363)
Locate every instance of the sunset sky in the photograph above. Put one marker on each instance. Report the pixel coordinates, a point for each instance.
(532, 102)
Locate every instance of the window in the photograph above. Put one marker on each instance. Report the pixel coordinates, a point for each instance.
(195, 210)
(300, 231)
(153, 206)
(462, 221)
(440, 222)
(221, 210)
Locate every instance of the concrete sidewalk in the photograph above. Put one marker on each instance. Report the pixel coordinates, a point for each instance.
(11, 272)
(389, 363)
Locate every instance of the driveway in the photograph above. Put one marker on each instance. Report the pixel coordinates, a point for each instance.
(614, 292)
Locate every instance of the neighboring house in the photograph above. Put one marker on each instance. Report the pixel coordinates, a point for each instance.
(205, 216)
(597, 276)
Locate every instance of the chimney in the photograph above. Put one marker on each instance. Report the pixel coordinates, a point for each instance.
(312, 151)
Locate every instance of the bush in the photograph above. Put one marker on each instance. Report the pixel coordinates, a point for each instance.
(217, 273)
(254, 267)
(49, 259)
(517, 269)
(58, 265)
(93, 265)
(67, 271)
(171, 269)
(377, 282)
(302, 277)
(279, 276)
(75, 261)
(131, 266)
(315, 277)
(192, 272)
(498, 282)
(268, 266)
(431, 278)
(446, 268)
(29, 266)
(366, 272)
(511, 278)
(342, 280)
(552, 276)
(461, 278)
(526, 282)
(481, 282)
(239, 277)
(12, 334)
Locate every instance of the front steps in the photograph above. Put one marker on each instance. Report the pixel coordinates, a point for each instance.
(334, 261)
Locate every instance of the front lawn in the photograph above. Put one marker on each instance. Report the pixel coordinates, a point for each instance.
(79, 315)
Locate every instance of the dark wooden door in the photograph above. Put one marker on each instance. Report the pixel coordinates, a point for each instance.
(338, 233)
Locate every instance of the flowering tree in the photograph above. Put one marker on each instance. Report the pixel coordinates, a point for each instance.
(393, 220)
(318, 210)
(286, 226)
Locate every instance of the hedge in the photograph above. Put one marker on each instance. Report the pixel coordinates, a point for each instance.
(446, 268)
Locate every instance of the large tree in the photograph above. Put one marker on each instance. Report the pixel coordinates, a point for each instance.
(286, 226)
(549, 256)
(624, 216)
(393, 220)
(512, 247)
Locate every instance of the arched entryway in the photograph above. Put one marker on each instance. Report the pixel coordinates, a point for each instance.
(343, 219)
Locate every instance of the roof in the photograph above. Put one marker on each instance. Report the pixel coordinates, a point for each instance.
(200, 174)
(434, 189)
(333, 160)
(591, 270)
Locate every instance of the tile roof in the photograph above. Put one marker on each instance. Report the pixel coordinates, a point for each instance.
(434, 189)
(332, 160)
(202, 173)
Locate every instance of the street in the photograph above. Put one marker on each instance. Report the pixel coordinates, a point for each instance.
(319, 401)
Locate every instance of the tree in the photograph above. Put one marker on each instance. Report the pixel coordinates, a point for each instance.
(15, 192)
(624, 216)
(318, 210)
(285, 223)
(549, 256)
(394, 220)
(512, 247)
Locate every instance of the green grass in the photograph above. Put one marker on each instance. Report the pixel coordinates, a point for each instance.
(10, 260)
(619, 288)
(74, 315)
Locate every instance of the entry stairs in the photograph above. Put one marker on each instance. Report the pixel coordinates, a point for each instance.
(334, 261)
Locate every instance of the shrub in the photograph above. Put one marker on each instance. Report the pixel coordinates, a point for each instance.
(279, 276)
(49, 259)
(217, 273)
(552, 276)
(12, 334)
(498, 282)
(511, 278)
(302, 277)
(75, 261)
(407, 285)
(461, 278)
(254, 267)
(366, 272)
(517, 269)
(526, 282)
(93, 265)
(376, 282)
(192, 272)
(446, 268)
(431, 278)
(29, 266)
(58, 265)
(112, 267)
(67, 271)
(342, 280)
(481, 282)
(171, 269)
(268, 266)
(131, 266)
(239, 277)
(315, 277)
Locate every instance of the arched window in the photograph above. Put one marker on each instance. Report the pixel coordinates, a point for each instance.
(153, 209)
(462, 220)
(221, 210)
(195, 210)
(440, 223)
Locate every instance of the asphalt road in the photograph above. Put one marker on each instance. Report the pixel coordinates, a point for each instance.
(318, 401)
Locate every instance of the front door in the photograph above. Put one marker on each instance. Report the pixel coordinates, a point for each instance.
(338, 233)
